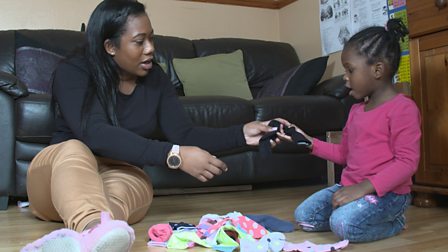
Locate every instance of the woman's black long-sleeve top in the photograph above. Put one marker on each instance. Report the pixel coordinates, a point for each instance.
(153, 103)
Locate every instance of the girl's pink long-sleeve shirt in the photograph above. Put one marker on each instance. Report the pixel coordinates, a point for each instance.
(381, 145)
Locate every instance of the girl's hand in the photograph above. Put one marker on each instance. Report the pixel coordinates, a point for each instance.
(348, 194)
(287, 138)
(200, 164)
(253, 131)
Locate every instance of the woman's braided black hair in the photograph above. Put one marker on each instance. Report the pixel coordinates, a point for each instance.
(379, 43)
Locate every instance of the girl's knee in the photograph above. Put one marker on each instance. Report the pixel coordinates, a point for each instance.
(345, 228)
(311, 219)
(302, 213)
(302, 218)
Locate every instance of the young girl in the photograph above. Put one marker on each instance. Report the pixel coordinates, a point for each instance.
(380, 146)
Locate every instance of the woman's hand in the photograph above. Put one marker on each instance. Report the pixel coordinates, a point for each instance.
(253, 131)
(200, 164)
(348, 194)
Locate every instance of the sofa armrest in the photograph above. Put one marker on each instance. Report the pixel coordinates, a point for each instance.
(12, 86)
(336, 88)
(315, 114)
(6, 145)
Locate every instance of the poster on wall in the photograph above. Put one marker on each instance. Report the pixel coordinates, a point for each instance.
(397, 9)
(340, 19)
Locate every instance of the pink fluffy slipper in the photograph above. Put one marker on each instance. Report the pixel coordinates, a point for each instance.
(59, 240)
(108, 236)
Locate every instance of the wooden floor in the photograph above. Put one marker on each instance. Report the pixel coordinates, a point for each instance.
(427, 228)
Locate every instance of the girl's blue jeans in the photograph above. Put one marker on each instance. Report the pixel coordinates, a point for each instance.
(366, 219)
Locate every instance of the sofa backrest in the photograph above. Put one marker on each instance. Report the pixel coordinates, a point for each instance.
(263, 59)
(32, 55)
(166, 49)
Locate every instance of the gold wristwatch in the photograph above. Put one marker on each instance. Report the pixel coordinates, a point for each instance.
(174, 161)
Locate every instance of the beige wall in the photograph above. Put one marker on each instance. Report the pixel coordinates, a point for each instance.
(297, 23)
(299, 26)
(203, 20)
(169, 17)
(45, 14)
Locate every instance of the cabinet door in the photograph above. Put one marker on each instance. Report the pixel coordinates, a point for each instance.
(425, 17)
(430, 78)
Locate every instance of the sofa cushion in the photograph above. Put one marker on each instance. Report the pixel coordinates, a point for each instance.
(34, 119)
(35, 67)
(218, 111)
(262, 59)
(219, 74)
(298, 80)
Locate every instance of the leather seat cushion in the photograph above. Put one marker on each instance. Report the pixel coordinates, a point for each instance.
(34, 119)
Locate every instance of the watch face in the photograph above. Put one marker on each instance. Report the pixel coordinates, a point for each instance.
(174, 161)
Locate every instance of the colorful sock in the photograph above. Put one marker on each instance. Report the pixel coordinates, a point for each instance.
(160, 232)
(308, 246)
(185, 240)
(275, 241)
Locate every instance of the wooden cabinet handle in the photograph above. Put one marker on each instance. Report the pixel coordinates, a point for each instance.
(441, 3)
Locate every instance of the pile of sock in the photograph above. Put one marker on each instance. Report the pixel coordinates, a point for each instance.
(231, 231)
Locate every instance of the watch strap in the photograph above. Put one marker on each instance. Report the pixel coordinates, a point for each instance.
(175, 149)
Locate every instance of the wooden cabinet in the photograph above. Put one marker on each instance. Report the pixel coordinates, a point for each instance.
(428, 27)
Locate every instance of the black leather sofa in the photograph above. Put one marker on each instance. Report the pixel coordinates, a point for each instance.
(26, 120)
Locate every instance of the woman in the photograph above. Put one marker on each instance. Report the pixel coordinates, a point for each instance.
(109, 100)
